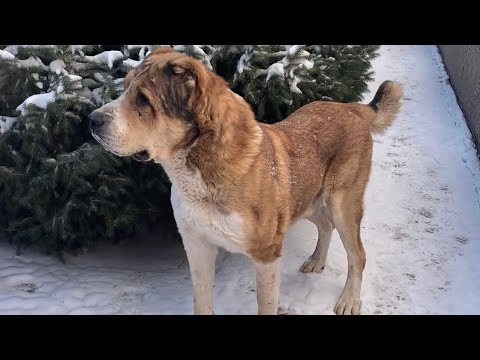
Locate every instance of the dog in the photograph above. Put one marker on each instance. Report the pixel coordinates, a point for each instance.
(239, 184)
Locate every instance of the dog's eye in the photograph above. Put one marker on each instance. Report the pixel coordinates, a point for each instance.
(142, 100)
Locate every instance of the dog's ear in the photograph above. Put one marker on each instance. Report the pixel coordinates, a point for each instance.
(188, 78)
(186, 70)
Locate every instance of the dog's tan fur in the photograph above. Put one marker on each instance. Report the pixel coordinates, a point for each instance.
(249, 181)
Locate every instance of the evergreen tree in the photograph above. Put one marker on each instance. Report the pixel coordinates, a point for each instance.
(59, 190)
(277, 80)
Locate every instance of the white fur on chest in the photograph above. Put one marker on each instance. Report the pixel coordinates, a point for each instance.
(198, 217)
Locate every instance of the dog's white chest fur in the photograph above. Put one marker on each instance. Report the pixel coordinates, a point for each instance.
(200, 219)
(197, 217)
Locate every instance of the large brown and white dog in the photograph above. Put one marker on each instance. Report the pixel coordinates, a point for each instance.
(240, 184)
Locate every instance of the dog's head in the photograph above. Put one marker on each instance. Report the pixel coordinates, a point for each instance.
(158, 110)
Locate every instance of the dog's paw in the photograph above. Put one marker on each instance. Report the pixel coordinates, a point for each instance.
(312, 265)
(348, 305)
(285, 311)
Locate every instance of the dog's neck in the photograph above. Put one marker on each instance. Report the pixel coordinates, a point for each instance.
(185, 180)
(214, 165)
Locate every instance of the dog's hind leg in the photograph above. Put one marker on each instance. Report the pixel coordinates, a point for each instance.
(316, 262)
(347, 213)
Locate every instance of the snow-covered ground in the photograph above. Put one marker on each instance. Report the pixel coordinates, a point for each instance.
(421, 232)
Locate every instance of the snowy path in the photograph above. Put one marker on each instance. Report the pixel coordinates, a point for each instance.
(421, 232)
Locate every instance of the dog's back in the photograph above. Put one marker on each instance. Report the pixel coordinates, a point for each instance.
(330, 143)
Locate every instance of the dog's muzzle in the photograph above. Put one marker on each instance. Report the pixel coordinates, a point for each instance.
(97, 119)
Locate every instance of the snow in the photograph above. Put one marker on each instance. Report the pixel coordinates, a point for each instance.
(74, 78)
(293, 49)
(420, 232)
(75, 81)
(132, 47)
(35, 46)
(12, 49)
(58, 66)
(298, 61)
(293, 86)
(40, 100)
(97, 95)
(131, 63)
(275, 69)
(241, 62)
(141, 53)
(106, 57)
(77, 48)
(75, 96)
(6, 123)
(196, 50)
(308, 64)
(99, 77)
(32, 62)
(6, 55)
(296, 50)
(119, 84)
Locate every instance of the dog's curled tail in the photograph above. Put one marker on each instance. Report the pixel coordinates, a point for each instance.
(386, 105)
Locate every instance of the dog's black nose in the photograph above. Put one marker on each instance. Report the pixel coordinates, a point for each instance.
(96, 119)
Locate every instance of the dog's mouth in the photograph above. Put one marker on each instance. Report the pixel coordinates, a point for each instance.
(141, 156)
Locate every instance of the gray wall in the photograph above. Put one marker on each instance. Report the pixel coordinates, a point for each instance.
(463, 67)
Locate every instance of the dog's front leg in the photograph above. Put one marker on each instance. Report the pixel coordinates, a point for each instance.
(201, 258)
(268, 287)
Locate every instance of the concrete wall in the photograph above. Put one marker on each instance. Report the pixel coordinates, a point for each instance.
(463, 67)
